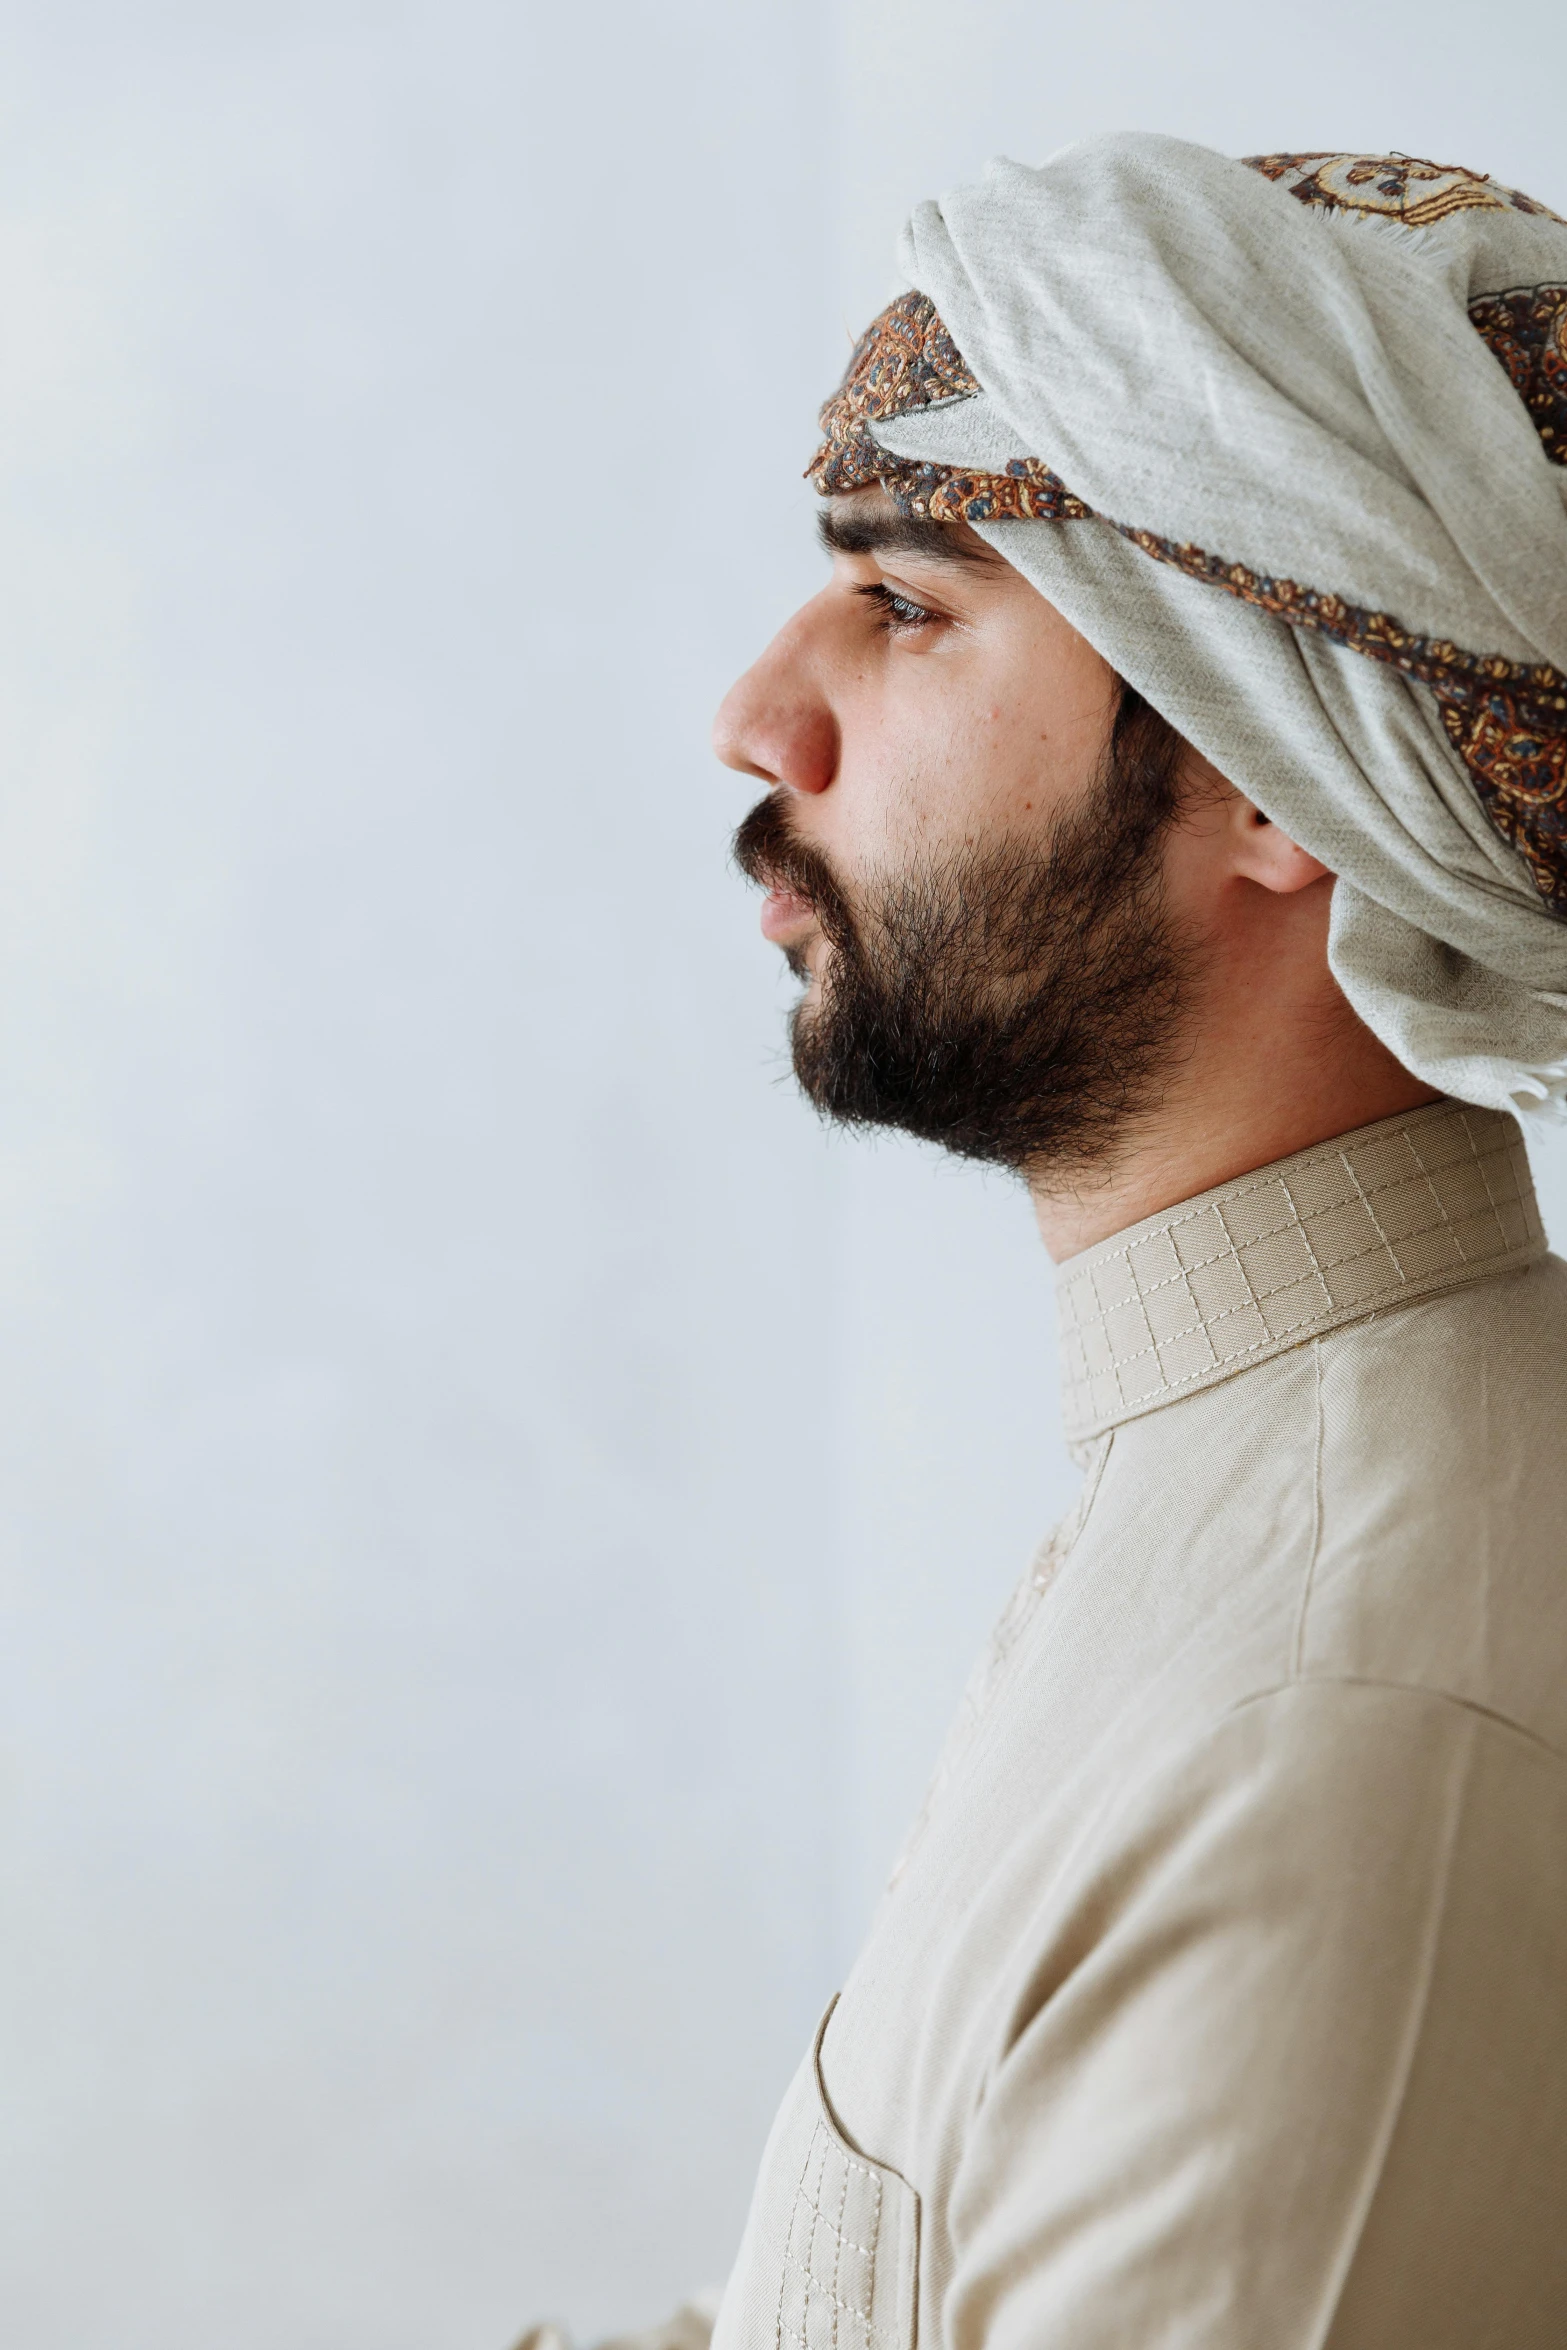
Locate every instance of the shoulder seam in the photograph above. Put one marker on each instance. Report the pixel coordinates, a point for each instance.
(1443, 1697)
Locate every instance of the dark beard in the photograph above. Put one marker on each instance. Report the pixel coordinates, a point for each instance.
(1015, 1003)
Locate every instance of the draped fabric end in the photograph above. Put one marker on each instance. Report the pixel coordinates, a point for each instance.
(1542, 1095)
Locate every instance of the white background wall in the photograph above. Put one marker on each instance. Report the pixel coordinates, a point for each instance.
(494, 1505)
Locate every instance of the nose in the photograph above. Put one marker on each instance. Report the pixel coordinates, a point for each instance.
(776, 723)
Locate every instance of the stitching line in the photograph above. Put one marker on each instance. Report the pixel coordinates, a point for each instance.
(1363, 1308)
(817, 2292)
(837, 2253)
(1078, 1325)
(1073, 1285)
(1403, 1184)
(1121, 1361)
(1200, 1322)
(1431, 1187)
(800, 2197)
(1499, 1148)
(1362, 1191)
(1239, 1255)
(1490, 1196)
(849, 2242)
(875, 2237)
(1490, 1201)
(1303, 1229)
(1256, 1298)
(1238, 1251)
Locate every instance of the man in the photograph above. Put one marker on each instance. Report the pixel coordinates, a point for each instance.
(1167, 798)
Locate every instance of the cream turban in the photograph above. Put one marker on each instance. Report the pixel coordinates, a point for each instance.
(1286, 440)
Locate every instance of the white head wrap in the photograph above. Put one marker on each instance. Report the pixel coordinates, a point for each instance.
(1304, 425)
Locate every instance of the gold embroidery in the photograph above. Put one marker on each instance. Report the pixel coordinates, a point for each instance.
(905, 359)
(1527, 332)
(1507, 720)
(1394, 187)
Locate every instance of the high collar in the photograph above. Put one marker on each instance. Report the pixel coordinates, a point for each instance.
(1376, 1218)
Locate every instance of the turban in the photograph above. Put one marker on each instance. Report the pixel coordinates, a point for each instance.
(1286, 441)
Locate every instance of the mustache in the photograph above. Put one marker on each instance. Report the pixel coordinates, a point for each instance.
(770, 853)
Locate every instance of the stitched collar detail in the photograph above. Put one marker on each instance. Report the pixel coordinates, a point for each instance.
(1377, 1218)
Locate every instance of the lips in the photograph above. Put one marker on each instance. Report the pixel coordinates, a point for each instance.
(784, 912)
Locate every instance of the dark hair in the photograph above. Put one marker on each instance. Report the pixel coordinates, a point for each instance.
(1144, 765)
(1014, 1001)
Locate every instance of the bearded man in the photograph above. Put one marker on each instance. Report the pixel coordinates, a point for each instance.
(1167, 799)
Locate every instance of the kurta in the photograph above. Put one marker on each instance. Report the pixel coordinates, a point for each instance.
(1219, 2001)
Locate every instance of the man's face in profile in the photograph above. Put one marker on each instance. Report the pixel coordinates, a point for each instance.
(962, 848)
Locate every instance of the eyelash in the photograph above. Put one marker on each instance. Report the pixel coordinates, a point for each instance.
(895, 614)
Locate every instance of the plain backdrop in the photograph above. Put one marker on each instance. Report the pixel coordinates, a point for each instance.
(494, 1504)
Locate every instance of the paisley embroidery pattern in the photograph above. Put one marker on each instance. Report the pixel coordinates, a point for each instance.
(1027, 492)
(1507, 720)
(1395, 187)
(1527, 331)
(1513, 741)
(904, 360)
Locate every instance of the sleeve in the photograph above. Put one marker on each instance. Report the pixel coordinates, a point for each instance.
(1293, 2071)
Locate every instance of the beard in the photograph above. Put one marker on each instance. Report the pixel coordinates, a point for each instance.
(1015, 1003)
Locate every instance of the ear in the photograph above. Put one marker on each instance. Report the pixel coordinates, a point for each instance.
(1259, 852)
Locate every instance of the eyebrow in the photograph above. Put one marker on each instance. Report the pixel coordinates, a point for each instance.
(879, 529)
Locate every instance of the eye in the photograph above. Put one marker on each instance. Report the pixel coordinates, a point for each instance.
(896, 614)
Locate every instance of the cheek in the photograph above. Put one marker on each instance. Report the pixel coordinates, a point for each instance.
(901, 772)
(944, 752)
(981, 764)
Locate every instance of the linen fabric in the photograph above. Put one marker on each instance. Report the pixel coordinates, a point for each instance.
(1298, 435)
(1220, 1996)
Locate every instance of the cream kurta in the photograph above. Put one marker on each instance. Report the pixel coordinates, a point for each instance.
(1220, 1998)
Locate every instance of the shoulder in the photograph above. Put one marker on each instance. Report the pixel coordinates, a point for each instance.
(1313, 1966)
(1494, 1343)
(1441, 1546)
(1328, 1808)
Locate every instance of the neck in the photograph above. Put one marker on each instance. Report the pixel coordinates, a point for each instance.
(1265, 1079)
